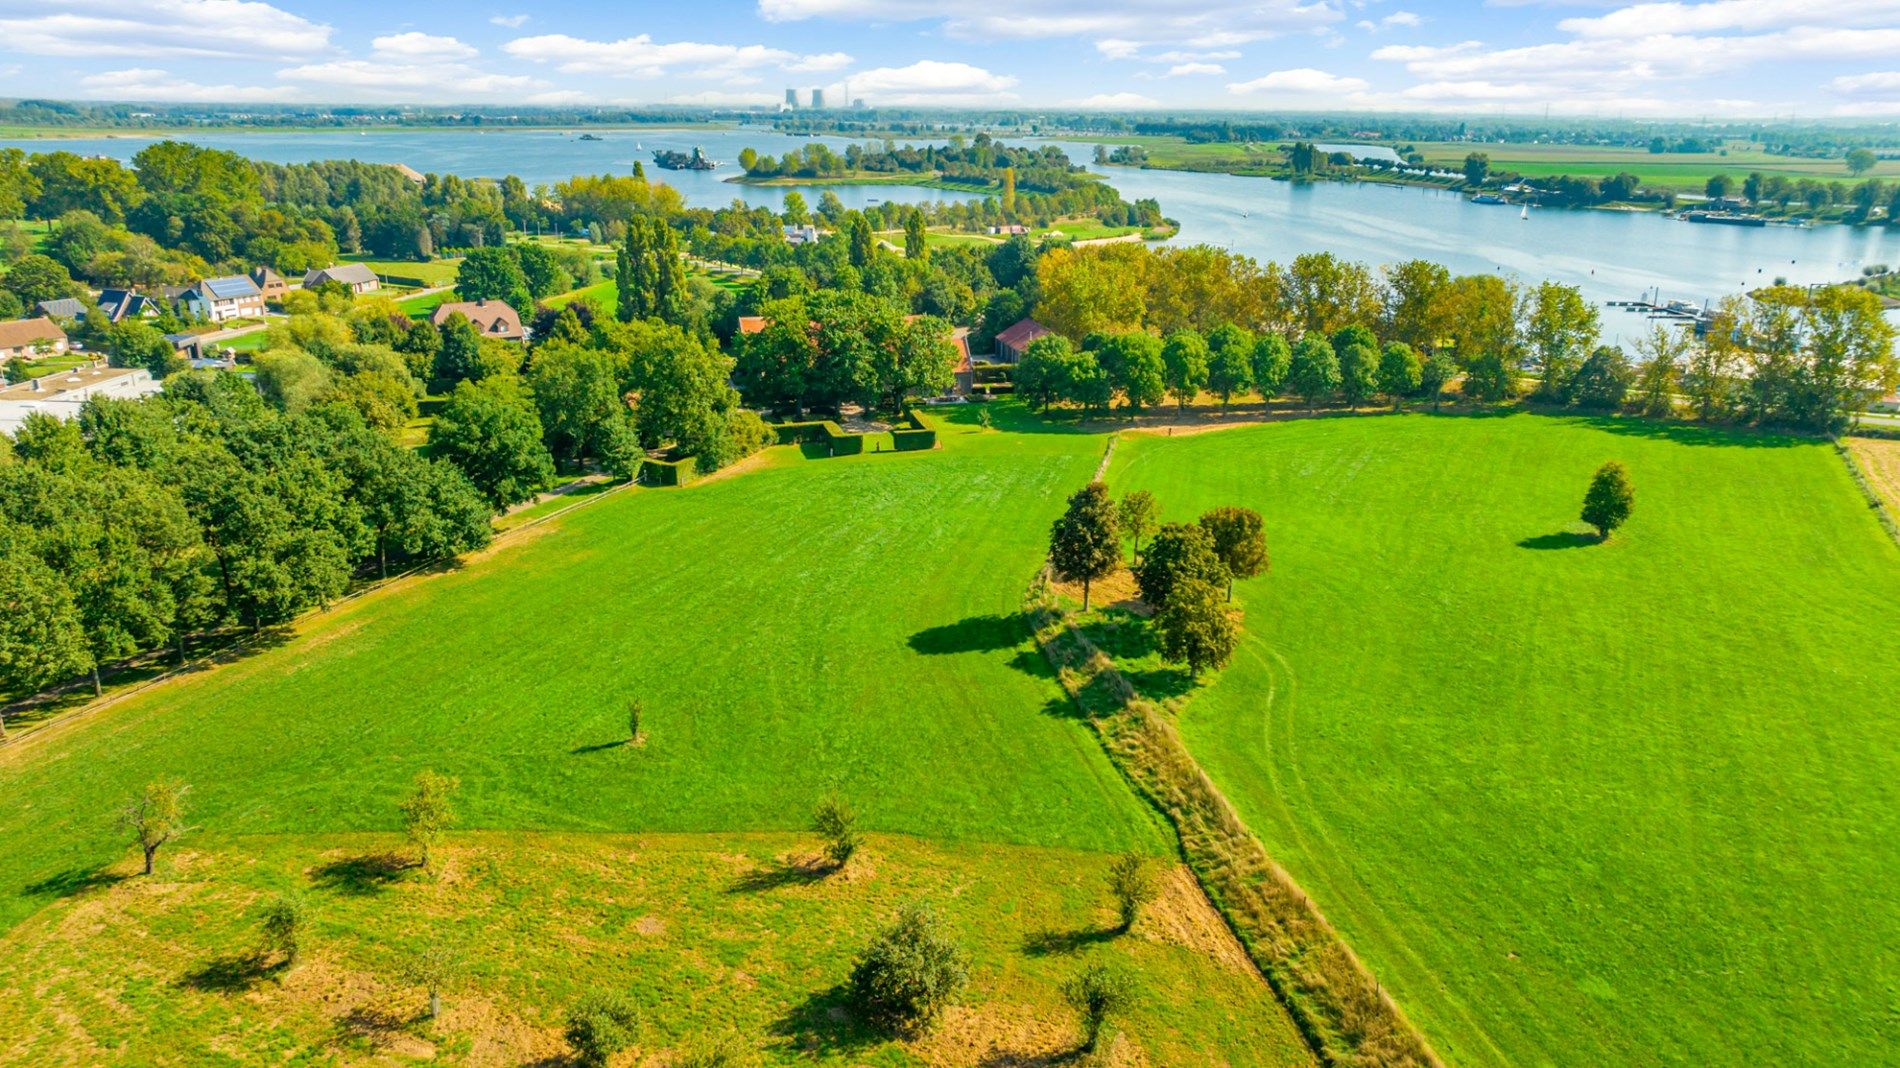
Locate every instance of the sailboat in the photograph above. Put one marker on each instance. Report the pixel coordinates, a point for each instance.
(1526, 213)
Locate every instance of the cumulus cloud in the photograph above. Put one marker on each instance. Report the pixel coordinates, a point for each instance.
(1873, 83)
(1114, 102)
(139, 83)
(238, 29)
(1305, 81)
(513, 22)
(933, 81)
(827, 61)
(1202, 23)
(643, 57)
(1664, 19)
(1185, 70)
(412, 81)
(421, 46)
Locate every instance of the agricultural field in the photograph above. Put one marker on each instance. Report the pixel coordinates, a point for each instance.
(1573, 803)
(1682, 172)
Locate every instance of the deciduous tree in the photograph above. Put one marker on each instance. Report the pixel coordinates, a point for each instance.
(1610, 499)
(428, 811)
(1083, 545)
(1195, 628)
(910, 973)
(154, 817)
(1240, 542)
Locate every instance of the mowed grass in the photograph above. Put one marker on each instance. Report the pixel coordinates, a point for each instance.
(827, 626)
(709, 935)
(1574, 803)
(1683, 172)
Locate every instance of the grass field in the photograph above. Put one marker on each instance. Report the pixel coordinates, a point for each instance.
(711, 933)
(420, 307)
(840, 625)
(438, 272)
(1574, 803)
(1683, 172)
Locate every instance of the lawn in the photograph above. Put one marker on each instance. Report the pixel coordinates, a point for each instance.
(1683, 172)
(1574, 803)
(711, 934)
(437, 272)
(420, 307)
(842, 625)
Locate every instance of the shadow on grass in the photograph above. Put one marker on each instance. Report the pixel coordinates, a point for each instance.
(824, 1024)
(72, 881)
(368, 874)
(1563, 539)
(374, 1028)
(777, 873)
(976, 634)
(233, 973)
(1056, 943)
(597, 747)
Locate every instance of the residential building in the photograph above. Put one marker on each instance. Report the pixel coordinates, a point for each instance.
(117, 305)
(491, 318)
(357, 277)
(1013, 342)
(270, 283)
(801, 235)
(63, 308)
(752, 324)
(965, 370)
(63, 394)
(1009, 229)
(30, 338)
(220, 299)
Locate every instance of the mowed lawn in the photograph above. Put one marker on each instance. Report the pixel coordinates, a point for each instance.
(842, 625)
(1574, 803)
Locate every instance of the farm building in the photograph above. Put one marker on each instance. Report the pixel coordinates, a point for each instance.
(1013, 342)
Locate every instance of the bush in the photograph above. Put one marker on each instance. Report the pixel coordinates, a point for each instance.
(1608, 502)
(1097, 993)
(668, 472)
(283, 925)
(599, 1027)
(910, 974)
(725, 1051)
(1132, 882)
(837, 825)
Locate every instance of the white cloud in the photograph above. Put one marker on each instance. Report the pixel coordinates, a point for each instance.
(714, 98)
(1302, 81)
(1201, 23)
(513, 22)
(643, 57)
(1664, 19)
(1184, 70)
(415, 81)
(144, 84)
(421, 46)
(1401, 18)
(932, 81)
(1114, 102)
(556, 97)
(827, 61)
(239, 29)
(1873, 83)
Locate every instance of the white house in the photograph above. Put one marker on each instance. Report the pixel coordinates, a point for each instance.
(63, 394)
(234, 296)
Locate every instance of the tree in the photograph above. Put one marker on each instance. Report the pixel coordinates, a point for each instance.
(1314, 372)
(1045, 373)
(1489, 379)
(1663, 350)
(1083, 545)
(601, 1025)
(1184, 361)
(1560, 332)
(427, 812)
(41, 638)
(910, 973)
(1477, 168)
(1608, 502)
(431, 967)
(1097, 993)
(1195, 627)
(1358, 370)
(1400, 373)
(915, 247)
(1230, 361)
(1135, 367)
(1132, 883)
(1601, 382)
(1240, 542)
(37, 278)
(283, 926)
(862, 244)
(1718, 186)
(495, 274)
(579, 400)
(1178, 553)
(1272, 361)
(837, 824)
(493, 434)
(1136, 517)
(1861, 160)
(154, 817)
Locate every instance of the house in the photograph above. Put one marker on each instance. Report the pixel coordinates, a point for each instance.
(801, 235)
(752, 324)
(1888, 403)
(965, 370)
(356, 277)
(1013, 342)
(220, 299)
(491, 318)
(1009, 229)
(63, 308)
(118, 305)
(63, 394)
(30, 338)
(270, 283)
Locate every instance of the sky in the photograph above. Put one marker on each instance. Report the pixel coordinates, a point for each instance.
(1715, 58)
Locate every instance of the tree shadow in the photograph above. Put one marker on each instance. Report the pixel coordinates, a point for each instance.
(597, 747)
(368, 874)
(1563, 539)
(72, 881)
(233, 973)
(824, 1024)
(779, 872)
(1061, 943)
(976, 634)
(371, 1026)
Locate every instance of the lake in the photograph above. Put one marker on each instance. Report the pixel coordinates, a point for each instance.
(1608, 255)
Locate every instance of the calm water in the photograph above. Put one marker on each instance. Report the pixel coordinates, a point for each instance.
(1608, 255)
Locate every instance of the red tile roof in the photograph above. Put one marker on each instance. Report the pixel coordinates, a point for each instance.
(1020, 335)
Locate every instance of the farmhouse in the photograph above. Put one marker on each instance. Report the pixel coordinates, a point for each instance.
(1013, 342)
(356, 277)
(218, 299)
(27, 338)
(491, 318)
(270, 283)
(63, 395)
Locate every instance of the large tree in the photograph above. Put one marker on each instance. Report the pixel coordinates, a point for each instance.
(1177, 553)
(1083, 544)
(1559, 332)
(1184, 362)
(1610, 499)
(492, 432)
(1314, 371)
(1195, 627)
(1229, 362)
(1135, 368)
(1240, 542)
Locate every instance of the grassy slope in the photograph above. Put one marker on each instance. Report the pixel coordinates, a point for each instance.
(710, 933)
(842, 624)
(1574, 803)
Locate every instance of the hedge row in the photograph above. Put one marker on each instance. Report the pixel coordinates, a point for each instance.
(916, 435)
(919, 436)
(668, 473)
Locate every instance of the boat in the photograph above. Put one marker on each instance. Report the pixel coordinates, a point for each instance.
(592, 137)
(680, 161)
(1526, 213)
(1489, 198)
(1725, 218)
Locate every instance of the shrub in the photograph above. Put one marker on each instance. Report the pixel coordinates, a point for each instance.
(1608, 502)
(1131, 881)
(837, 825)
(1098, 993)
(910, 973)
(426, 813)
(600, 1026)
(725, 1051)
(283, 924)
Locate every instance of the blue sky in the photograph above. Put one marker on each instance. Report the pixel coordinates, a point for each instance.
(1686, 59)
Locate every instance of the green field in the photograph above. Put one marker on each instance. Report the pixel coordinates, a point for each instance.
(1682, 172)
(1573, 803)
(437, 272)
(420, 307)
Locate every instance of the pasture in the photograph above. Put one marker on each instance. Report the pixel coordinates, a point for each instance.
(1573, 803)
(1682, 172)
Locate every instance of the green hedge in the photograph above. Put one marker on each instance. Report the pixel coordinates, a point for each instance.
(914, 434)
(919, 436)
(668, 473)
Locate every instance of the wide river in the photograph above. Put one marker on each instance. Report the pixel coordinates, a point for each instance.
(1608, 255)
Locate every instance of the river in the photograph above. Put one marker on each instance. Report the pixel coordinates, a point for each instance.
(1608, 255)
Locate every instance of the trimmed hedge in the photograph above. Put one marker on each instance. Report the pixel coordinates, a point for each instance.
(918, 437)
(914, 435)
(668, 473)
